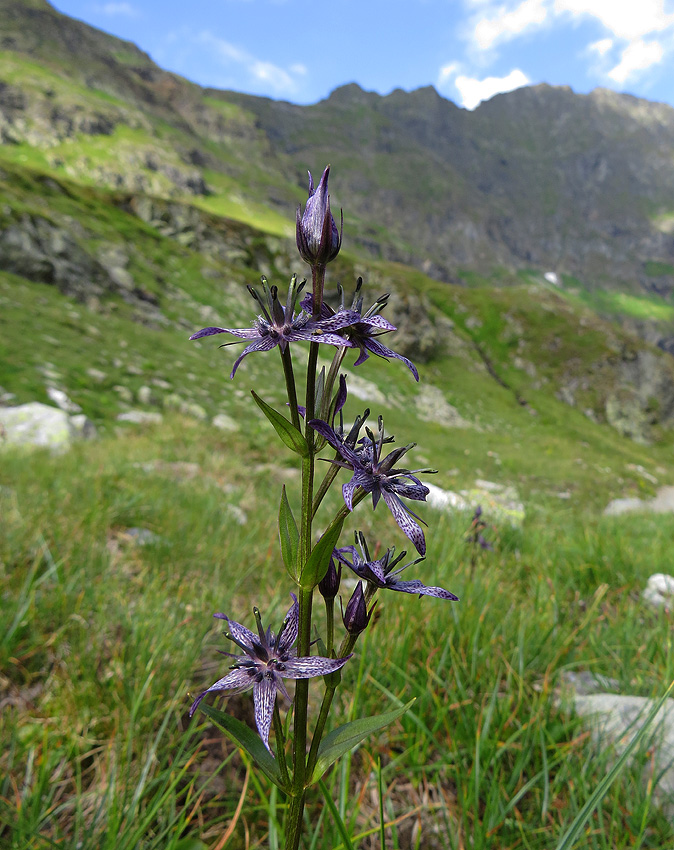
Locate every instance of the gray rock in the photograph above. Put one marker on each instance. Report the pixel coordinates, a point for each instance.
(583, 682)
(140, 417)
(96, 375)
(35, 425)
(432, 406)
(145, 396)
(662, 503)
(225, 422)
(615, 719)
(500, 502)
(140, 536)
(82, 427)
(659, 591)
(124, 393)
(61, 400)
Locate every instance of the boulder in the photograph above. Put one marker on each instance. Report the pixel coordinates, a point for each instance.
(659, 591)
(37, 425)
(140, 417)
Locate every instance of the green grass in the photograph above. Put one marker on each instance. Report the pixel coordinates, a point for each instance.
(102, 641)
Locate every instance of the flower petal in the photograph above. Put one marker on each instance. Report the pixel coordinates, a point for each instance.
(377, 322)
(264, 697)
(264, 344)
(241, 633)
(382, 351)
(416, 587)
(236, 681)
(209, 332)
(316, 665)
(288, 634)
(408, 526)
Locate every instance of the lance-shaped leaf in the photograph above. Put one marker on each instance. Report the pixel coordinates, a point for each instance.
(289, 535)
(244, 737)
(319, 559)
(346, 737)
(293, 438)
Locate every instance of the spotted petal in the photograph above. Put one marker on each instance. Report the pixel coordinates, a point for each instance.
(408, 526)
(264, 697)
(416, 587)
(315, 665)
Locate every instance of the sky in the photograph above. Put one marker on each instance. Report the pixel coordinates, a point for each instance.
(470, 50)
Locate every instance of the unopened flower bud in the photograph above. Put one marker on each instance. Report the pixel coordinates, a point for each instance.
(329, 584)
(318, 239)
(355, 617)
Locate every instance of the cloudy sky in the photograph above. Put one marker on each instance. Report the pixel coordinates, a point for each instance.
(300, 50)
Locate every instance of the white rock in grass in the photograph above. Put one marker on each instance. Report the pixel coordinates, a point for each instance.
(35, 424)
(225, 422)
(659, 591)
(60, 399)
(445, 499)
(615, 719)
(83, 428)
(140, 417)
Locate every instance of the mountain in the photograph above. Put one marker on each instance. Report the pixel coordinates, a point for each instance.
(512, 237)
(579, 185)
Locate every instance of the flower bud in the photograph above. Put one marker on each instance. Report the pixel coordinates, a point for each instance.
(318, 239)
(355, 617)
(329, 584)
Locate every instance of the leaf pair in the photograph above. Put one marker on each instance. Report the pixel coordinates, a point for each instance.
(333, 746)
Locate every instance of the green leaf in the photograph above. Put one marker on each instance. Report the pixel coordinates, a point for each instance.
(290, 536)
(319, 559)
(568, 839)
(346, 737)
(286, 430)
(244, 737)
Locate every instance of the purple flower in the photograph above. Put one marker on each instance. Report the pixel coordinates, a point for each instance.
(363, 333)
(381, 573)
(268, 658)
(378, 476)
(318, 239)
(278, 325)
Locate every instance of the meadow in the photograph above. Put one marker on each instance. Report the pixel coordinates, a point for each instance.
(104, 638)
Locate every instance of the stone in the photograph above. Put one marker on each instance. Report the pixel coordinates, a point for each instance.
(224, 422)
(615, 719)
(659, 591)
(96, 375)
(500, 502)
(82, 427)
(140, 417)
(35, 425)
(140, 536)
(61, 400)
(432, 406)
(145, 396)
(661, 503)
(124, 393)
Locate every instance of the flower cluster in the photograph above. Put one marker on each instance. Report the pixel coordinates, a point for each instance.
(265, 659)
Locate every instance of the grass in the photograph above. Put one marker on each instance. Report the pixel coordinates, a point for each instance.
(103, 639)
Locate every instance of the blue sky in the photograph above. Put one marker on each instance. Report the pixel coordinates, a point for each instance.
(300, 50)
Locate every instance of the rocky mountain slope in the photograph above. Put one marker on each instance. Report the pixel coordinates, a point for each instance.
(149, 203)
(537, 178)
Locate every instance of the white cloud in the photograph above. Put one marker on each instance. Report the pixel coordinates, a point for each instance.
(636, 57)
(278, 79)
(114, 9)
(446, 73)
(625, 19)
(473, 91)
(601, 47)
(503, 24)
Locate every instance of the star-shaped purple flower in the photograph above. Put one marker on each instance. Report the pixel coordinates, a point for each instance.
(363, 333)
(379, 476)
(278, 325)
(381, 572)
(268, 658)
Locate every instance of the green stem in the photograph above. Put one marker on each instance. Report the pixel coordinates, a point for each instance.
(294, 821)
(280, 746)
(326, 483)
